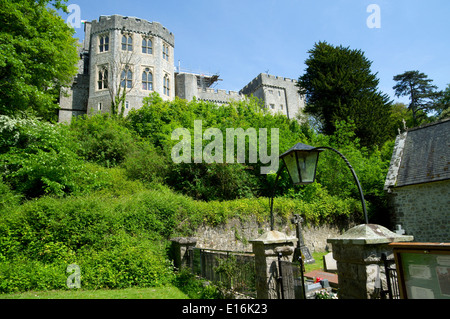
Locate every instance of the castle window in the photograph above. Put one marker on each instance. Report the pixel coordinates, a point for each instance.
(99, 106)
(126, 78)
(166, 52)
(104, 43)
(102, 78)
(147, 46)
(147, 80)
(166, 85)
(127, 43)
(127, 104)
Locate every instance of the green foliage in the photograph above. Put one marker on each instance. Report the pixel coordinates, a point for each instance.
(102, 139)
(132, 262)
(194, 287)
(119, 239)
(212, 181)
(24, 274)
(370, 165)
(38, 57)
(101, 196)
(7, 197)
(105, 140)
(421, 92)
(339, 85)
(157, 119)
(143, 163)
(40, 159)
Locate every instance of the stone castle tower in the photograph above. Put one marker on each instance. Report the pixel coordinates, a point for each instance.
(127, 54)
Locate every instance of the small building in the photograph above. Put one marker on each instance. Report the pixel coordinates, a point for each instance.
(418, 182)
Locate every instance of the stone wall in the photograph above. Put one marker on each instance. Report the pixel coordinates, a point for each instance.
(279, 94)
(423, 210)
(235, 235)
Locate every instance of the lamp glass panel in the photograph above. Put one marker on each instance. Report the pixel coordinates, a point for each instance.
(291, 165)
(307, 162)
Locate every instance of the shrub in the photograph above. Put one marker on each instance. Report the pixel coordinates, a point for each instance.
(143, 163)
(133, 261)
(40, 158)
(196, 288)
(22, 274)
(102, 139)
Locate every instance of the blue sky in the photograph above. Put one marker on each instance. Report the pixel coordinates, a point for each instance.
(241, 38)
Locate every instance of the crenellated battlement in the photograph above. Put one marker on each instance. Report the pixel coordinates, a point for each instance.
(218, 96)
(132, 24)
(264, 79)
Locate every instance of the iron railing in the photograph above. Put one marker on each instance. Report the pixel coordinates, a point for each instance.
(232, 270)
(392, 290)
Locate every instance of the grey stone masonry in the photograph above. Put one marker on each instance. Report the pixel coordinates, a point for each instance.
(266, 249)
(280, 95)
(358, 257)
(149, 49)
(418, 182)
(180, 251)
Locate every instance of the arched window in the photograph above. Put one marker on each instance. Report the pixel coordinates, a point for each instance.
(126, 78)
(147, 80)
(147, 46)
(127, 43)
(166, 85)
(102, 78)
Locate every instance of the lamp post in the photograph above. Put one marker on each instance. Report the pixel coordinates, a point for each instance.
(301, 163)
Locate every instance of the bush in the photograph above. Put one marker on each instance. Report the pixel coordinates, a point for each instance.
(196, 288)
(102, 139)
(131, 262)
(157, 119)
(114, 247)
(143, 163)
(22, 274)
(40, 158)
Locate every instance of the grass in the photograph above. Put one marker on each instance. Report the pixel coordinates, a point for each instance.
(318, 265)
(167, 292)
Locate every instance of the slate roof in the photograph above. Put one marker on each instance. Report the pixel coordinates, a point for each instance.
(426, 154)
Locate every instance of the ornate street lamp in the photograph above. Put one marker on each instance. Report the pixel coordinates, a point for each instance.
(301, 163)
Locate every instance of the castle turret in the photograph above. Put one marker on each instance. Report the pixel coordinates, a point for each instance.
(120, 55)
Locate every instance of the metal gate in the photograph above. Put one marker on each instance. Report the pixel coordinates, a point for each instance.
(392, 289)
(291, 280)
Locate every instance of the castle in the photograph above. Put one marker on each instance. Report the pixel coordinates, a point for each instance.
(131, 57)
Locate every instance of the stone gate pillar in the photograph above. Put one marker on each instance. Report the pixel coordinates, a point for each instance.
(266, 249)
(180, 251)
(358, 256)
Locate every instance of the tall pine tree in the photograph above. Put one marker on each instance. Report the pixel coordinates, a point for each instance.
(339, 85)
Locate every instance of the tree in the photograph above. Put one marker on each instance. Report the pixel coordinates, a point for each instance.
(122, 80)
(38, 56)
(442, 106)
(421, 92)
(339, 85)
